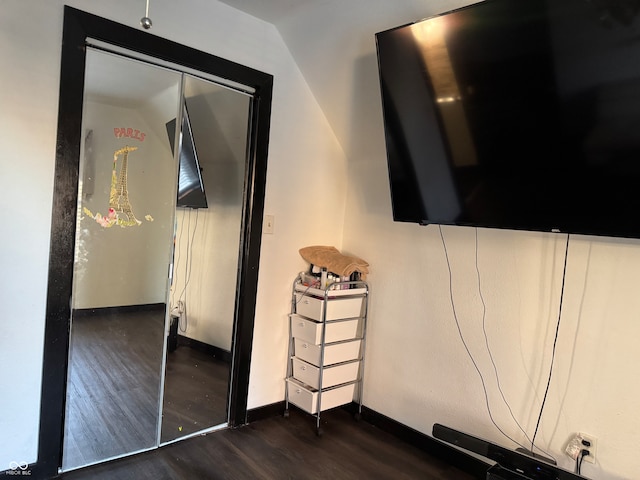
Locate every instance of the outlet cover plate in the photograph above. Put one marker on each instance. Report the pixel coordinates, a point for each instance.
(268, 224)
(593, 443)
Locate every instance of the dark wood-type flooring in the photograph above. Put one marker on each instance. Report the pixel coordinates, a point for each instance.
(196, 388)
(113, 387)
(280, 448)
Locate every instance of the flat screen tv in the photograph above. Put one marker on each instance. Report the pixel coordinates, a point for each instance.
(191, 193)
(518, 114)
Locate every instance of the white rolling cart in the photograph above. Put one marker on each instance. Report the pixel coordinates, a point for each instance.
(327, 331)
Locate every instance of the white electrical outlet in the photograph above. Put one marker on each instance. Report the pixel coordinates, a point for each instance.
(589, 442)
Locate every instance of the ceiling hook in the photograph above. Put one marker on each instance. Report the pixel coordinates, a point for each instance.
(146, 21)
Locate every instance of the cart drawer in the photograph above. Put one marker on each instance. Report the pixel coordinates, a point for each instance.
(333, 352)
(307, 398)
(331, 376)
(311, 331)
(313, 307)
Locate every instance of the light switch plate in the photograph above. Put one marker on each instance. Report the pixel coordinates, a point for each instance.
(269, 221)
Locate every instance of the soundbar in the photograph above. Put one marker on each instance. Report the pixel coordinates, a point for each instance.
(510, 464)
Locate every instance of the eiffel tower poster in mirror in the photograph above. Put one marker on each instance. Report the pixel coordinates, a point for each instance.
(151, 294)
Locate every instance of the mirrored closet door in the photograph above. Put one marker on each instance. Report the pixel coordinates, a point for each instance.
(205, 274)
(160, 174)
(158, 235)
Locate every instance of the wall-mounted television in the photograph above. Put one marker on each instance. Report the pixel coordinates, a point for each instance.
(518, 114)
(191, 193)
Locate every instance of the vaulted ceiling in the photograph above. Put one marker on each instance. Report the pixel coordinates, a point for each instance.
(272, 11)
(333, 44)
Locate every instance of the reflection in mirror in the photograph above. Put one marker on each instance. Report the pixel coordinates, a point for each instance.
(203, 293)
(124, 242)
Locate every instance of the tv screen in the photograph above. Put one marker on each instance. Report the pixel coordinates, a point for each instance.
(191, 192)
(519, 114)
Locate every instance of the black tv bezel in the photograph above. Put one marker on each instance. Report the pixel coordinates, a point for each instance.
(194, 194)
(620, 226)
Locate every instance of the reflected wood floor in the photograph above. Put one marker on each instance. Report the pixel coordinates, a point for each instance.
(113, 387)
(283, 448)
(196, 387)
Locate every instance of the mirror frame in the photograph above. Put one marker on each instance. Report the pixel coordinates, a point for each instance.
(78, 27)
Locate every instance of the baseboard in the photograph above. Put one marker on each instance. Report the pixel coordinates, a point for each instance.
(266, 411)
(212, 350)
(447, 453)
(147, 307)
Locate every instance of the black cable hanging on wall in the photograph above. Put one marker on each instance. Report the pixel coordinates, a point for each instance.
(532, 440)
(555, 341)
(464, 343)
(493, 363)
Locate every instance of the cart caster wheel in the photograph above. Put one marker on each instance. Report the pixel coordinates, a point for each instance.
(286, 414)
(357, 417)
(319, 432)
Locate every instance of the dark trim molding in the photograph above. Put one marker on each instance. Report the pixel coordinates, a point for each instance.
(78, 26)
(247, 287)
(148, 307)
(266, 411)
(215, 352)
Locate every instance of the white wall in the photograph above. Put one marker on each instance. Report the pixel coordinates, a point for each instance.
(305, 184)
(432, 379)
(208, 239)
(205, 273)
(206, 262)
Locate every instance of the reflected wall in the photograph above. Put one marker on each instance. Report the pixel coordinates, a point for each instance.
(207, 286)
